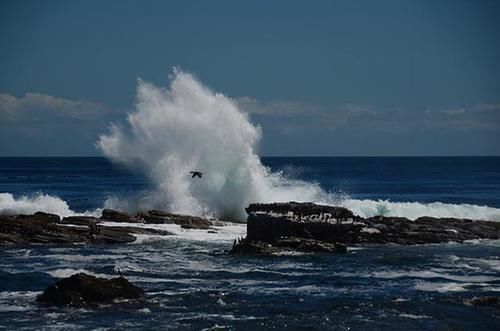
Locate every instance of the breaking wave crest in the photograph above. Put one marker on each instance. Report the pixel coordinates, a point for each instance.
(29, 205)
(414, 210)
(9, 205)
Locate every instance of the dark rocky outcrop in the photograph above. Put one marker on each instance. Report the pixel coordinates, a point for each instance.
(80, 220)
(137, 230)
(46, 217)
(158, 217)
(272, 223)
(82, 290)
(118, 216)
(187, 222)
(300, 209)
(43, 229)
(286, 244)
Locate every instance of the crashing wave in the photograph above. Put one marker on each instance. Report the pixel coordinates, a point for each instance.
(187, 127)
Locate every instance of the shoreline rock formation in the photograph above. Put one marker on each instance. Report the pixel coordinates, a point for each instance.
(271, 228)
(44, 228)
(314, 228)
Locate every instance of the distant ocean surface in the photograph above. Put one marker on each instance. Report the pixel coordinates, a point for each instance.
(192, 284)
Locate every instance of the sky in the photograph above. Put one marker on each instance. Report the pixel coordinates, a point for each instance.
(321, 78)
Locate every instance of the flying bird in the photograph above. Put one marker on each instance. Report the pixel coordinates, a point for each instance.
(196, 173)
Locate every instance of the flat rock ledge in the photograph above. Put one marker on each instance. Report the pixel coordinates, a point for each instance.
(83, 290)
(44, 228)
(309, 227)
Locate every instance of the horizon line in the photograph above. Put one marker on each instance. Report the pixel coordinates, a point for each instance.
(262, 156)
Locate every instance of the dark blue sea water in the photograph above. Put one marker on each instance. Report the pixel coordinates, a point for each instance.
(85, 183)
(192, 284)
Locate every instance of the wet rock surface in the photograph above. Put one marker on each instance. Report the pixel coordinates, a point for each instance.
(157, 217)
(80, 220)
(286, 245)
(136, 230)
(307, 223)
(83, 290)
(44, 228)
(186, 221)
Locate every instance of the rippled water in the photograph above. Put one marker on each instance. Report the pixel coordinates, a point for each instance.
(191, 283)
(194, 284)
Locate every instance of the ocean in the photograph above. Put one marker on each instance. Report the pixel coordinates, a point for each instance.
(191, 283)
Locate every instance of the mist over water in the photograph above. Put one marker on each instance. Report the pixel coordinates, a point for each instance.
(187, 127)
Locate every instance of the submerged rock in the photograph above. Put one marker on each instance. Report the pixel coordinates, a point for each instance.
(85, 290)
(486, 301)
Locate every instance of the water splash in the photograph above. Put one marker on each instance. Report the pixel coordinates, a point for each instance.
(187, 127)
(30, 204)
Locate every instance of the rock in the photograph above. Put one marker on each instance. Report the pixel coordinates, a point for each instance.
(80, 220)
(36, 228)
(283, 245)
(136, 230)
(490, 301)
(81, 290)
(298, 208)
(310, 245)
(118, 216)
(46, 217)
(161, 217)
(254, 247)
(108, 235)
(196, 226)
(267, 225)
(314, 227)
(42, 229)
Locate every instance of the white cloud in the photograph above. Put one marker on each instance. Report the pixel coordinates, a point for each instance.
(453, 111)
(36, 104)
(296, 116)
(275, 108)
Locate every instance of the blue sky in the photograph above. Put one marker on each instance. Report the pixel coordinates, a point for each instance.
(320, 77)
